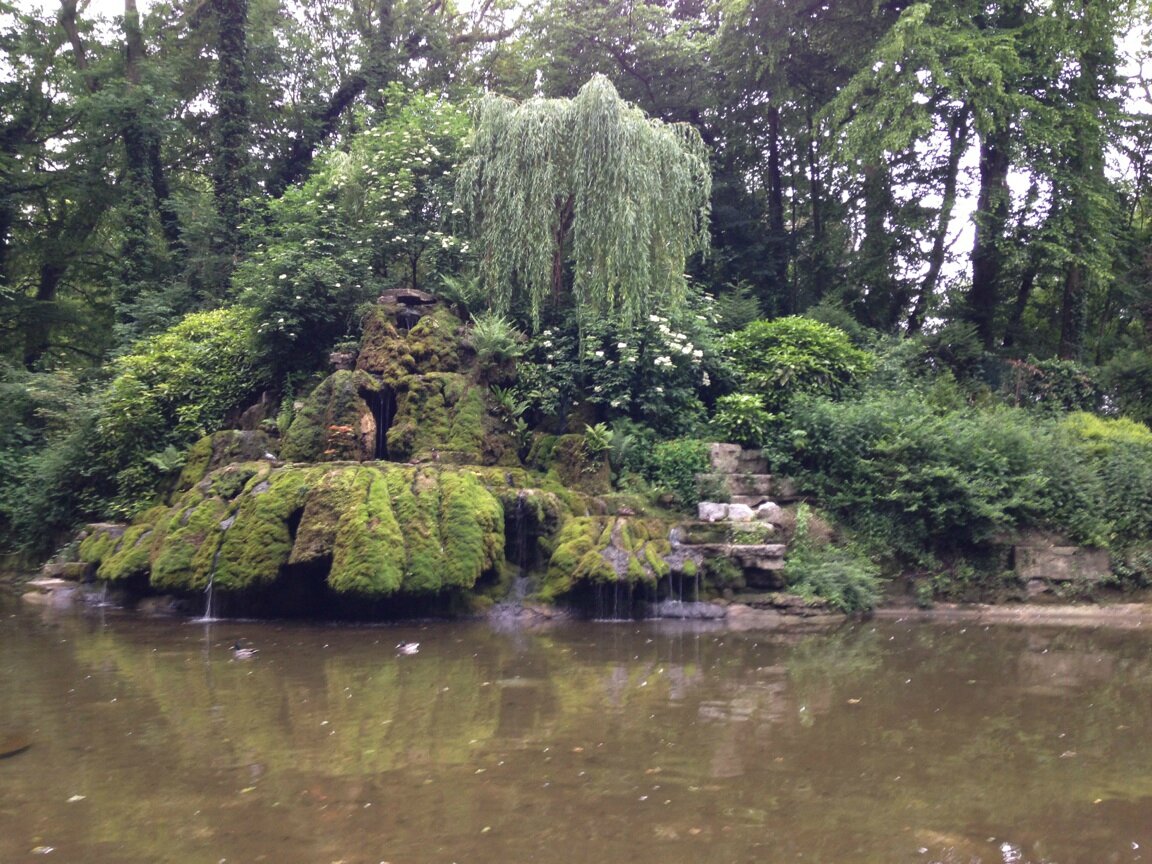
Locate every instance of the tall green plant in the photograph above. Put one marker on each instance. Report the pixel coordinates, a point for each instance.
(590, 184)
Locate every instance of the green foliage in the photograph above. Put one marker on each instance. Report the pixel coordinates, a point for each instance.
(374, 216)
(592, 180)
(673, 465)
(495, 339)
(742, 419)
(914, 479)
(839, 575)
(1054, 385)
(778, 359)
(654, 373)
(597, 439)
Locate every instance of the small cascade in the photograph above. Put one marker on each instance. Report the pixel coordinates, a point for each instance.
(520, 552)
(383, 405)
(209, 615)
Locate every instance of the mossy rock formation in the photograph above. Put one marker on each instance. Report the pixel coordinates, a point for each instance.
(378, 529)
(432, 520)
(335, 423)
(608, 549)
(432, 345)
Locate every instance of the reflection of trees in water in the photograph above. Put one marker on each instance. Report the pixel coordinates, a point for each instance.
(568, 729)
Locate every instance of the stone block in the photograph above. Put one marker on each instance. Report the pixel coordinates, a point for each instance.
(725, 458)
(740, 513)
(1060, 563)
(770, 511)
(711, 511)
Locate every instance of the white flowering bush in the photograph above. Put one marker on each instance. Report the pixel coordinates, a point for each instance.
(657, 372)
(374, 215)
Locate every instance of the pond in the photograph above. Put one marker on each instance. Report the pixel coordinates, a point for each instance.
(876, 741)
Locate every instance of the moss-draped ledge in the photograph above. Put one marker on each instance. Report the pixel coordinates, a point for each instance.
(380, 528)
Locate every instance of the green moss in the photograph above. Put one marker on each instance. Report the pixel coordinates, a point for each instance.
(472, 528)
(132, 556)
(432, 345)
(577, 557)
(335, 423)
(186, 542)
(231, 481)
(415, 497)
(566, 458)
(220, 449)
(327, 500)
(100, 543)
(195, 464)
(439, 416)
(604, 549)
(383, 350)
(259, 541)
(368, 553)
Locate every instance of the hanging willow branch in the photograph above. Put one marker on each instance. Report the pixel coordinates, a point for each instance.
(589, 182)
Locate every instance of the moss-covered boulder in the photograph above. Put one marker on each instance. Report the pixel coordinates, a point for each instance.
(377, 529)
(607, 549)
(335, 423)
(432, 345)
(224, 448)
(439, 417)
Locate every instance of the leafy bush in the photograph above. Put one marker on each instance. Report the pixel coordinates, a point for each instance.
(742, 419)
(840, 575)
(778, 359)
(1054, 385)
(656, 372)
(674, 466)
(103, 454)
(917, 479)
(373, 215)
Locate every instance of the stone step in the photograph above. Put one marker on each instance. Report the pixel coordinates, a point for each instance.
(734, 459)
(73, 571)
(759, 556)
(751, 489)
(735, 511)
(705, 533)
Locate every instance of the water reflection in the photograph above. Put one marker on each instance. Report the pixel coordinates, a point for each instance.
(885, 742)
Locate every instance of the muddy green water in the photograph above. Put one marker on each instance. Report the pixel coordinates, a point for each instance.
(874, 742)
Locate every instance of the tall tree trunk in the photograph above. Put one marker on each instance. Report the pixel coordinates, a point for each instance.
(876, 253)
(957, 144)
(991, 218)
(1023, 295)
(777, 236)
(230, 168)
(816, 214)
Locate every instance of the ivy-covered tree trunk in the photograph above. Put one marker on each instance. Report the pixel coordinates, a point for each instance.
(230, 175)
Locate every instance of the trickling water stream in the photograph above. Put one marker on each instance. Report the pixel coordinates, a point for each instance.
(640, 742)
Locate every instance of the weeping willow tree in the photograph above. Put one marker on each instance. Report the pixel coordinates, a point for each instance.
(587, 199)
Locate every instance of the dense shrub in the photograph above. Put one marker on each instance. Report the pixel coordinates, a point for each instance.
(778, 359)
(914, 478)
(840, 575)
(656, 372)
(1054, 386)
(741, 419)
(673, 465)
